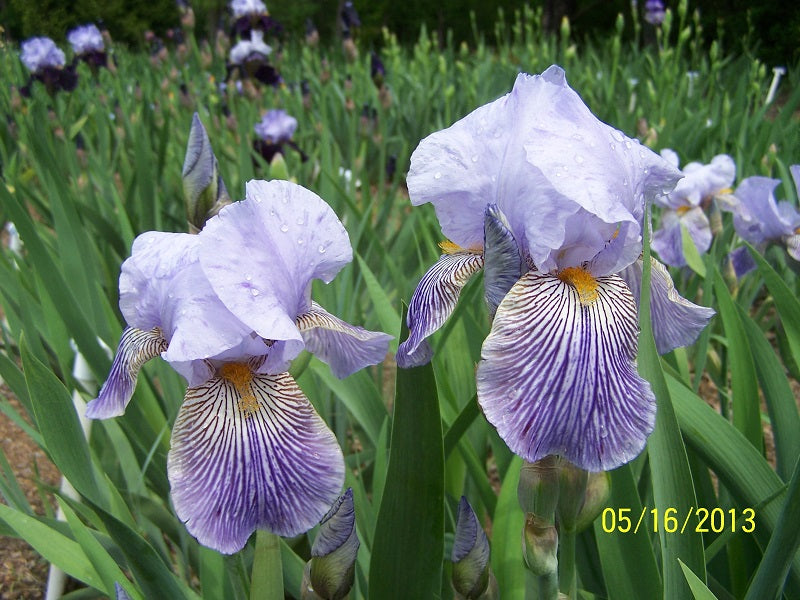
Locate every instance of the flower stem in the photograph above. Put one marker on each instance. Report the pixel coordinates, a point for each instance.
(567, 575)
(266, 582)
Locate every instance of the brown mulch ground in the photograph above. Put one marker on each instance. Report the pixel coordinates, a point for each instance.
(23, 573)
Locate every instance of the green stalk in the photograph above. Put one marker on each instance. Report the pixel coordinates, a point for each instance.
(567, 576)
(266, 581)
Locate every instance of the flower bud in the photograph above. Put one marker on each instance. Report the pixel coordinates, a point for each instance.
(537, 491)
(598, 490)
(203, 189)
(472, 575)
(572, 492)
(540, 546)
(331, 569)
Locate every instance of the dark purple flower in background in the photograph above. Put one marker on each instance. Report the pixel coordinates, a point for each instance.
(377, 70)
(88, 45)
(275, 131)
(250, 59)
(654, 12)
(349, 17)
(47, 64)
(252, 15)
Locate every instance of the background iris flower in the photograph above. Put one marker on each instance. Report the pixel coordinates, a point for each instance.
(228, 309)
(683, 206)
(549, 201)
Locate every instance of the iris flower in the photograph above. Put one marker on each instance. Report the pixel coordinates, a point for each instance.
(759, 219)
(228, 309)
(549, 201)
(683, 206)
(251, 59)
(46, 62)
(87, 44)
(274, 131)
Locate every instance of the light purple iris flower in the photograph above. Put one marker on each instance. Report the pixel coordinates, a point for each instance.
(683, 206)
(276, 126)
(39, 53)
(228, 309)
(85, 39)
(549, 201)
(654, 12)
(759, 219)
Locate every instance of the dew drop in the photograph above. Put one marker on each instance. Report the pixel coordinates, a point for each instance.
(437, 176)
(577, 136)
(628, 145)
(299, 241)
(617, 135)
(579, 159)
(474, 158)
(284, 228)
(271, 212)
(299, 220)
(248, 277)
(321, 249)
(254, 292)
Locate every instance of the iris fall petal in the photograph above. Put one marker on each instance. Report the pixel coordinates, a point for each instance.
(559, 377)
(135, 348)
(433, 302)
(249, 451)
(346, 348)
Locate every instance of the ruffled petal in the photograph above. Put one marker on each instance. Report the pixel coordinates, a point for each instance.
(248, 453)
(346, 348)
(558, 377)
(135, 348)
(433, 302)
(503, 265)
(261, 254)
(676, 321)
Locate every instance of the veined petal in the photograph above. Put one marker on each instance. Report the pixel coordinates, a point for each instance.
(248, 451)
(503, 264)
(676, 321)
(559, 377)
(346, 348)
(135, 348)
(433, 302)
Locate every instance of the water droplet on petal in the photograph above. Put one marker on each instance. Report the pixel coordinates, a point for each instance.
(299, 241)
(284, 228)
(628, 145)
(474, 158)
(321, 249)
(617, 135)
(248, 277)
(579, 159)
(254, 292)
(299, 220)
(437, 175)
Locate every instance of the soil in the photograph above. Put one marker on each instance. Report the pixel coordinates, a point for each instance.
(23, 573)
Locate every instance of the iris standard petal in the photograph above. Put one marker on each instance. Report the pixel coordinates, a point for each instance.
(742, 262)
(559, 377)
(433, 302)
(758, 219)
(503, 264)
(676, 321)
(346, 348)
(248, 451)
(135, 348)
(262, 253)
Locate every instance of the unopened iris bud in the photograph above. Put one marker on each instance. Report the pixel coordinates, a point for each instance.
(598, 490)
(331, 570)
(572, 493)
(540, 546)
(472, 576)
(203, 188)
(537, 491)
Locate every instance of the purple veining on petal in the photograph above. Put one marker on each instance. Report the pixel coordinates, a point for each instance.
(558, 377)
(234, 467)
(433, 302)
